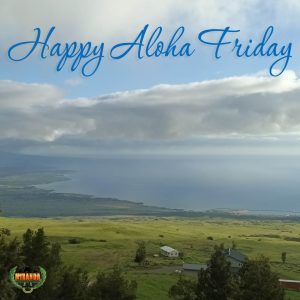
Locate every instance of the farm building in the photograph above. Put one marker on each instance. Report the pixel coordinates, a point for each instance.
(235, 257)
(193, 268)
(290, 284)
(168, 251)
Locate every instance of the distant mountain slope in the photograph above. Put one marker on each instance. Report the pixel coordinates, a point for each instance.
(34, 202)
(20, 198)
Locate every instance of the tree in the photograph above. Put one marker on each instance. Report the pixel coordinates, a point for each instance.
(216, 282)
(233, 245)
(140, 254)
(74, 284)
(283, 257)
(184, 289)
(258, 282)
(35, 248)
(112, 286)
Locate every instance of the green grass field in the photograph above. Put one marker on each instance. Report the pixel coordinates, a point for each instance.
(105, 242)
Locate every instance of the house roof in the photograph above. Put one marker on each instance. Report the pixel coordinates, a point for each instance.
(194, 267)
(167, 249)
(289, 281)
(235, 254)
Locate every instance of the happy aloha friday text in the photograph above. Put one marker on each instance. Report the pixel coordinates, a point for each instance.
(88, 57)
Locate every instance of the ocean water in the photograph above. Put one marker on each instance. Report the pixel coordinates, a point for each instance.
(198, 182)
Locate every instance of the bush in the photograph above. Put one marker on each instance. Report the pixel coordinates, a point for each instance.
(114, 285)
(140, 254)
(74, 241)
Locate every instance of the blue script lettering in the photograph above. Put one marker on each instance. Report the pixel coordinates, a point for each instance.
(282, 54)
(90, 55)
(220, 42)
(154, 46)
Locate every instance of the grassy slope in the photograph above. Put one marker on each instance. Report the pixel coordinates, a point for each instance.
(105, 242)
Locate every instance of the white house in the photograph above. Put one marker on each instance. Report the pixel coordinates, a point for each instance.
(168, 251)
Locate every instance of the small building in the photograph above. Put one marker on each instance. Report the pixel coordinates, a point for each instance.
(235, 257)
(193, 268)
(290, 284)
(168, 251)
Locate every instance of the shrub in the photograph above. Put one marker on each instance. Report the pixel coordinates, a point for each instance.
(74, 241)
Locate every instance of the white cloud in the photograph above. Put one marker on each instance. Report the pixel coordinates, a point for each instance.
(26, 98)
(28, 111)
(119, 19)
(253, 105)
